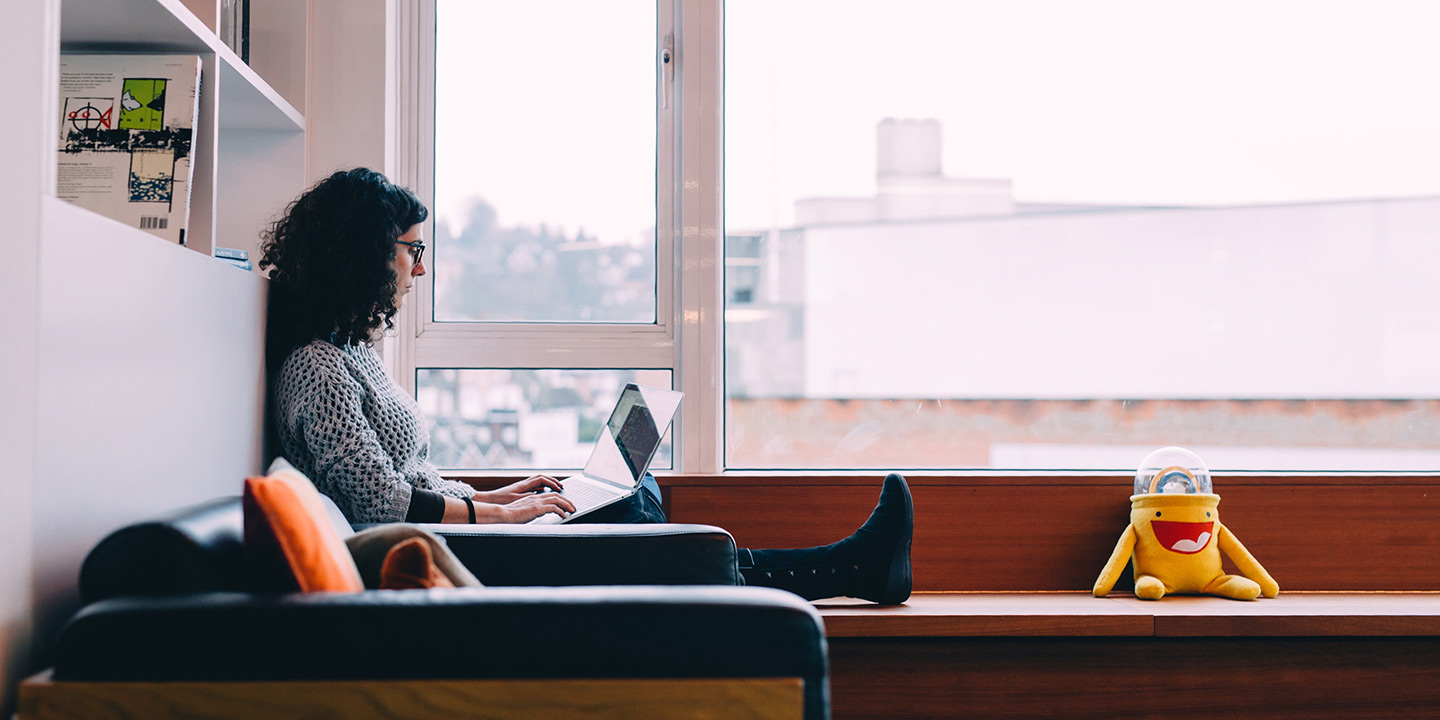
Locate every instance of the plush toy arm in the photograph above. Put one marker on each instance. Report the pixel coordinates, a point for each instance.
(1248, 565)
(1116, 564)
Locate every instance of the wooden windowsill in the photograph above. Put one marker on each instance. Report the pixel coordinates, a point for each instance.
(975, 478)
(1399, 614)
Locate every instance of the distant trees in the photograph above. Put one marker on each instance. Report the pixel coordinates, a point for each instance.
(489, 272)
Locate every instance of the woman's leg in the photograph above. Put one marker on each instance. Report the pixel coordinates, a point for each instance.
(872, 564)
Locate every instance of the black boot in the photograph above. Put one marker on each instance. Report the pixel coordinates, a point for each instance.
(873, 564)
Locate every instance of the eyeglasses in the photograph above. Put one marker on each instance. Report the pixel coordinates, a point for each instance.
(417, 250)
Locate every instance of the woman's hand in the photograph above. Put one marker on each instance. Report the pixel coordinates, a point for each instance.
(533, 505)
(518, 491)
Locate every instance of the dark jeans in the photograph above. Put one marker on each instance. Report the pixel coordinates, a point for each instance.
(642, 507)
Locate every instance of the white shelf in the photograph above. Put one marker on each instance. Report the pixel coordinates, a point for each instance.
(246, 100)
(161, 25)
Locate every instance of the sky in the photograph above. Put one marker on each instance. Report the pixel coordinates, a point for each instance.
(547, 109)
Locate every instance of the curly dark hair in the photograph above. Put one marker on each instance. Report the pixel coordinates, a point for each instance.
(330, 258)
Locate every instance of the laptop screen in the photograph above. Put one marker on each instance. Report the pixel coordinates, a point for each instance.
(630, 438)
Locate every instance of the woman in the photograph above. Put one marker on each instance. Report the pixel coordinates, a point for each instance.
(341, 260)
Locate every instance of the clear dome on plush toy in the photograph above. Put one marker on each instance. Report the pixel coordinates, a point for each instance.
(1172, 471)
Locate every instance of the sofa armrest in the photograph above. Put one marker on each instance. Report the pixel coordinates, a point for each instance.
(659, 554)
(579, 632)
(193, 549)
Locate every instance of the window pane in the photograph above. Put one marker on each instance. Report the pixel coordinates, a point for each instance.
(545, 161)
(1059, 235)
(530, 419)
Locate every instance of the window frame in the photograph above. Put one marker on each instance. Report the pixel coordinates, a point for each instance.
(687, 336)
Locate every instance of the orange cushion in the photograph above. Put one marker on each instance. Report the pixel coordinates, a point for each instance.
(289, 509)
(410, 566)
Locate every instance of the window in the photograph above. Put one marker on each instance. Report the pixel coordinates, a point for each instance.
(545, 203)
(523, 418)
(1058, 235)
(962, 234)
(553, 226)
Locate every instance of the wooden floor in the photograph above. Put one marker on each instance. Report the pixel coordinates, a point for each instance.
(1071, 655)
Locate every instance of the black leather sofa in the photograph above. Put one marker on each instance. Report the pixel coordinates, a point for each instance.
(174, 600)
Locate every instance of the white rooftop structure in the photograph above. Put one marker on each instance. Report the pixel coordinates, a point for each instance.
(941, 287)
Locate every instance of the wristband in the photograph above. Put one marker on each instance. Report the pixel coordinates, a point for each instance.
(470, 505)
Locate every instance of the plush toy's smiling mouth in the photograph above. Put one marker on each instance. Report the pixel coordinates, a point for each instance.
(1186, 538)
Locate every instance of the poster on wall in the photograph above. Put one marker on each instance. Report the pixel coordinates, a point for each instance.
(126, 137)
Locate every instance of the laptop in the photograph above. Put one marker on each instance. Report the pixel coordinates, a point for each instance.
(622, 452)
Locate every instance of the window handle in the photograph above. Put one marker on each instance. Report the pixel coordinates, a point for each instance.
(667, 69)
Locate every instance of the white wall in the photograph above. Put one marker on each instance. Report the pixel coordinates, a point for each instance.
(346, 92)
(283, 156)
(28, 37)
(150, 387)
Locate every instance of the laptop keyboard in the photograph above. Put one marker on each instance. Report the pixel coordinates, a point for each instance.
(586, 495)
(583, 494)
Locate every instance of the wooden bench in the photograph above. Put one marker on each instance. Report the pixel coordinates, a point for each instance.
(42, 698)
(1014, 655)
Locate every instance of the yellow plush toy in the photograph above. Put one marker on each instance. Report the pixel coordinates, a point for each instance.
(1176, 536)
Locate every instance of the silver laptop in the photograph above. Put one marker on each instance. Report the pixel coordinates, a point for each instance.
(622, 453)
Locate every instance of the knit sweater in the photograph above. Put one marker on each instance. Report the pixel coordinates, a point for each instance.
(347, 425)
